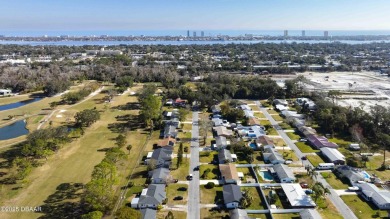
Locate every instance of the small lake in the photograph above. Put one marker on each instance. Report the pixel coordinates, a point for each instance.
(14, 130)
(18, 104)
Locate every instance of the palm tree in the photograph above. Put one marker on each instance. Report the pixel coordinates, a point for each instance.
(319, 191)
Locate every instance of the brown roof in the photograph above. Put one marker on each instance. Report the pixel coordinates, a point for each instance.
(223, 131)
(165, 142)
(265, 140)
(228, 171)
(253, 121)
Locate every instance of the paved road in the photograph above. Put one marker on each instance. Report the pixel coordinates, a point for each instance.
(336, 200)
(193, 190)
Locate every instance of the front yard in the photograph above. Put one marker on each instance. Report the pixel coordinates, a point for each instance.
(212, 174)
(211, 196)
(315, 160)
(305, 148)
(335, 182)
(361, 208)
(173, 190)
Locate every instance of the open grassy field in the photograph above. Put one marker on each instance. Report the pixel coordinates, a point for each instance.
(305, 148)
(74, 163)
(361, 208)
(211, 196)
(335, 182)
(173, 190)
(208, 213)
(176, 214)
(272, 131)
(279, 142)
(315, 160)
(289, 154)
(272, 111)
(285, 125)
(374, 164)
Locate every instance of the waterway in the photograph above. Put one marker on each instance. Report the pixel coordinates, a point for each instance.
(14, 130)
(18, 104)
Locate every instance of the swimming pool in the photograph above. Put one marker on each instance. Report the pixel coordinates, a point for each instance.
(266, 175)
(366, 175)
(253, 145)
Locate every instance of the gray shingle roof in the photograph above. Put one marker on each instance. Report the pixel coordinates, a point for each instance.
(148, 213)
(154, 196)
(238, 214)
(224, 155)
(231, 193)
(159, 173)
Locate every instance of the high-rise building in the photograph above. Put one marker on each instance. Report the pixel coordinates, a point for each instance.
(303, 33)
(194, 34)
(326, 34)
(285, 33)
(188, 33)
(202, 34)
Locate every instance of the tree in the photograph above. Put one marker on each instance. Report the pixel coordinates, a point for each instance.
(180, 156)
(150, 110)
(205, 127)
(93, 215)
(183, 114)
(385, 142)
(126, 213)
(114, 155)
(87, 117)
(120, 141)
(319, 191)
(247, 199)
(210, 185)
(129, 147)
(170, 215)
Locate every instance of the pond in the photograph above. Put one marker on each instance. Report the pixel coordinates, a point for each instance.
(14, 130)
(19, 104)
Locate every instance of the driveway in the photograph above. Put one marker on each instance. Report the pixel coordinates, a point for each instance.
(193, 190)
(344, 210)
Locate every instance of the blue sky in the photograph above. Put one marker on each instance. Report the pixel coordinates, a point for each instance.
(89, 15)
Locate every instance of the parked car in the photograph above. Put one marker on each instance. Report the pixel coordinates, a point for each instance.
(303, 140)
(189, 177)
(196, 168)
(309, 191)
(288, 161)
(353, 188)
(304, 158)
(178, 198)
(304, 185)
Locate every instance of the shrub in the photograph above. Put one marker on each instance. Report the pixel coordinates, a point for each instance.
(210, 185)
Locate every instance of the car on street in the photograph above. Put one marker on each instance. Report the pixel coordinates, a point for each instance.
(303, 140)
(303, 158)
(196, 168)
(353, 188)
(177, 198)
(189, 177)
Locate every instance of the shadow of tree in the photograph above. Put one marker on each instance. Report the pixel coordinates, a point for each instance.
(128, 106)
(64, 203)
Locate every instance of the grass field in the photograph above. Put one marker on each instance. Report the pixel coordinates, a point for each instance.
(211, 196)
(14, 99)
(203, 158)
(335, 182)
(327, 210)
(315, 160)
(213, 174)
(272, 131)
(208, 213)
(285, 125)
(305, 148)
(256, 202)
(293, 136)
(173, 190)
(81, 155)
(182, 172)
(360, 207)
(289, 154)
(259, 115)
(277, 117)
(176, 214)
(279, 142)
(272, 111)
(264, 122)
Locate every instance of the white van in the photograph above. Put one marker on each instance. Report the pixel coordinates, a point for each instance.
(325, 166)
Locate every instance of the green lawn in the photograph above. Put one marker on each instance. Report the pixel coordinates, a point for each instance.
(285, 125)
(289, 154)
(315, 160)
(360, 207)
(293, 136)
(259, 115)
(206, 156)
(256, 202)
(182, 172)
(327, 210)
(277, 117)
(211, 196)
(213, 174)
(208, 213)
(272, 131)
(174, 190)
(187, 127)
(271, 111)
(279, 142)
(265, 122)
(335, 182)
(341, 142)
(305, 148)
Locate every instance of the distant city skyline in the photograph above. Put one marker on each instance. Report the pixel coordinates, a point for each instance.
(93, 15)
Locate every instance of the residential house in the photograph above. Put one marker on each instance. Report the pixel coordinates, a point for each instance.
(271, 155)
(222, 131)
(217, 122)
(284, 173)
(245, 107)
(306, 102)
(264, 140)
(179, 102)
(148, 213)
(297, 196)
(220, 143)
(353, 175)
(320, 142)
(224, 156)
(166, 142)
(253, 131)
(281, 108)
(253, 121)
(248, 113)
(150, 197)
(307, 131)
(280, 102)
(232, 196)
(161, 157)
(238, 214)
(229, 173)
(159, 175)
(169, 131)
(380, 197)
(310, 214)
(333, 155)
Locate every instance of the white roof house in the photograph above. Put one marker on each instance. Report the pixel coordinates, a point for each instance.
(245, 107)
(310, 214)
(381, 198)
(333, 155)
(296, 196)
(284, 173)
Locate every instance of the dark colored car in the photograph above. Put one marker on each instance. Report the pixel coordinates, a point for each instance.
(304, 158)
(189, 177)
(178, 198)
(196, 168)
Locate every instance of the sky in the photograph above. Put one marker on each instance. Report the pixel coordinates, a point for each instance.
(90, 15)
